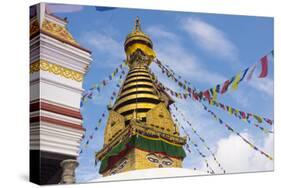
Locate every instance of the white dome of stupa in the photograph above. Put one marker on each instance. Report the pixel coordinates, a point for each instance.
(150, 174)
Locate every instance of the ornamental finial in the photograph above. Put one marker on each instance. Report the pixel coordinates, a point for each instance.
(137, 24)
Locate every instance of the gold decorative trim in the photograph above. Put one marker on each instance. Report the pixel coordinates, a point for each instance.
(55, 69)
(58, 31)
(34, 28)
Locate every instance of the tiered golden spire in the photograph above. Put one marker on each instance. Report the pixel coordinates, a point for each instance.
(141, 108)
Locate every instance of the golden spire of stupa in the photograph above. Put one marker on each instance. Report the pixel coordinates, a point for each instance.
(140, 129)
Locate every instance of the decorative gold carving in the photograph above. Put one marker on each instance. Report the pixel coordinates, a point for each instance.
(58, 31)
(34, 28)
(138, 128)
(55, 69)
(111, 132)
(52, 28)
(160, 118)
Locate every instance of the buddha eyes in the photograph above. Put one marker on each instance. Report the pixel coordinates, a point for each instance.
(153, 160)
(167, 163)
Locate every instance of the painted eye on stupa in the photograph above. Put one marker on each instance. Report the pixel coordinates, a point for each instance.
(152, 158)
(167, 161)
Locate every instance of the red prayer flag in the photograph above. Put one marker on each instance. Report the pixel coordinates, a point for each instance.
(264, 64)
(207, 94)
(225, 86)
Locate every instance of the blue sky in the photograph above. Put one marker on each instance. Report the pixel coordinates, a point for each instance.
(206, 49)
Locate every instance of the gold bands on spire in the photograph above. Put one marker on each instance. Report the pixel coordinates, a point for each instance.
(138, 93)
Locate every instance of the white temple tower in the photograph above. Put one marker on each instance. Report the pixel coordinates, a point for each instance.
(57, 68)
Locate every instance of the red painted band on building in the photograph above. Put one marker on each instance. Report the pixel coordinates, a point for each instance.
(56, 122)
(55, 109)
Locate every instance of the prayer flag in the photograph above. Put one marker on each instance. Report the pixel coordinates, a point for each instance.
(218, 88)
(225, 86)
(230, 110)
(251, 72)
(264, 64)
(207, 94)
(259, 119)
(244, 74)
(214, 96)
(235, 82)
(268, 121)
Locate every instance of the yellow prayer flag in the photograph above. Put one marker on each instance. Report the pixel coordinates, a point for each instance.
(236, 81)
(214, 97)
(215, 94)
(258, 118)
(230, 110)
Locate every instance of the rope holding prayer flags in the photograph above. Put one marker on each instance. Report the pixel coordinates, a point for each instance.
(228, 127)
(195, 146)
(200, 138)
(88, 94)
(99, 122)
(244, 115)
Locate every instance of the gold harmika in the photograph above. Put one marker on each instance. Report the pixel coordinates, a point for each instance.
(55, 69)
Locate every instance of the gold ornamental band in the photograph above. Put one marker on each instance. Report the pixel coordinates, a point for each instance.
(55, 69)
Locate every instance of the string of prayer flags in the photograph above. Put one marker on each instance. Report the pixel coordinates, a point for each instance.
(232, 111)
(195, 146)
(248, 73)
(241, 114)
(88, 94)
(200, 138)
(235, 132)
(91, 136)
(263, 129)
(211, 171)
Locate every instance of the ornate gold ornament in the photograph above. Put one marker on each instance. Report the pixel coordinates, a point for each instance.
(53, 29)
(58, 31)
(34, 28)
(55, 69)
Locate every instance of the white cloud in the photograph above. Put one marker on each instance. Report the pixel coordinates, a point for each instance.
(210, 38)
(104, 43)
(236, 156)
(171, 52)
(160, 32)
(263, 84)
